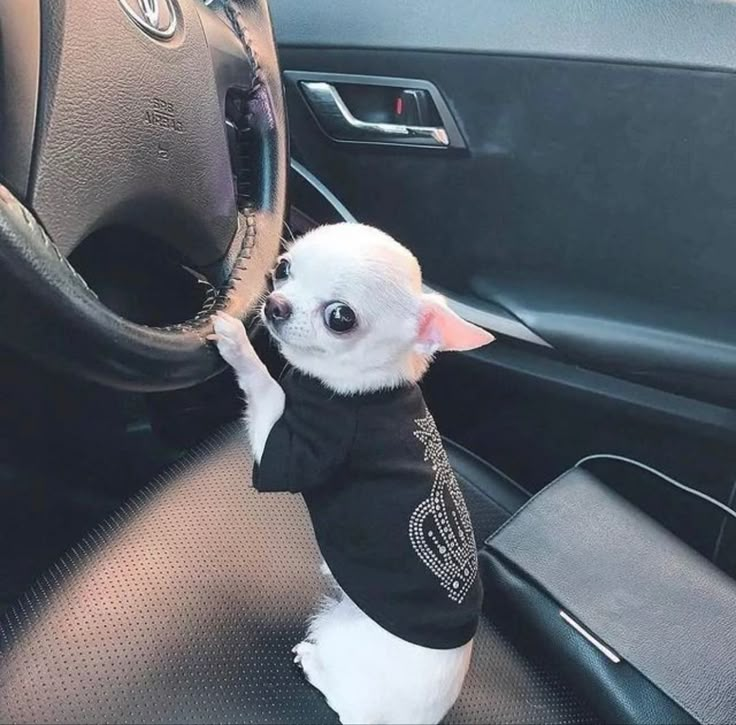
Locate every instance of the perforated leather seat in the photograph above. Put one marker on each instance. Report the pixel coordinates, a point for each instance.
(183, 607)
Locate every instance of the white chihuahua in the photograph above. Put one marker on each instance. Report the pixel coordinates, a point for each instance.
(349, 430)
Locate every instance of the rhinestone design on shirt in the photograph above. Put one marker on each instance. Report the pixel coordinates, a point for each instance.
(440, 529)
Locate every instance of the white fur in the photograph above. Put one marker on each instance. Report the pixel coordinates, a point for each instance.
(366, 674)
(265, 396)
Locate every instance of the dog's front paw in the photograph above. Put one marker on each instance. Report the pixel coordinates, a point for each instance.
(231, 340)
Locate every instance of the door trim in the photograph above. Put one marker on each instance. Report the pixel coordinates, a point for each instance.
(499, 322)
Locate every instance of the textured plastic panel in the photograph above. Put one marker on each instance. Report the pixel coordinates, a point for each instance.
(678, 32)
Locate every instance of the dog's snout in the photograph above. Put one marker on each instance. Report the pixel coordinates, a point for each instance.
(277, 308)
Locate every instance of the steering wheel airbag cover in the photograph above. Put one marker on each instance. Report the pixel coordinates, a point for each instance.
(130, 131)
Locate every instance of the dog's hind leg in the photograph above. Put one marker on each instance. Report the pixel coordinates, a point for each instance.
(306, 655)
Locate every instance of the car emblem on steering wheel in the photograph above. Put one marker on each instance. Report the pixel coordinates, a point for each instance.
(156, 17)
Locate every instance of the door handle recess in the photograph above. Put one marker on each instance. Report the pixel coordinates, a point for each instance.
(337, 121)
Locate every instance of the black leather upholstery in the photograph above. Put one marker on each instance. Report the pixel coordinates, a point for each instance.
(183, 608)
(667, 611)
(619, 692)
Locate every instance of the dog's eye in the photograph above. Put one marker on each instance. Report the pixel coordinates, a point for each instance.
(339, 317)
(281, 271)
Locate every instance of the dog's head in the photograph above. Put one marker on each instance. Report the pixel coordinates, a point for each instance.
(347, 307)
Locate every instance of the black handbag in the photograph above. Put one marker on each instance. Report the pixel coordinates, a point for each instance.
(636, 620)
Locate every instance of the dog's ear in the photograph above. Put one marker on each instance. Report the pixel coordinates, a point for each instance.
(441, 329)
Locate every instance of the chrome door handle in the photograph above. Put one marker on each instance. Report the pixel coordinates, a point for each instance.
(337, 121)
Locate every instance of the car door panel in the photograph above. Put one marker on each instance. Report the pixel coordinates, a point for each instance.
(589, 219)
(594, 203)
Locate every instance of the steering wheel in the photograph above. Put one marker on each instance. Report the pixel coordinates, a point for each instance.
(162, 117)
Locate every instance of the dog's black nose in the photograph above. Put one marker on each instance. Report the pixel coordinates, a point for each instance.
(277, 308)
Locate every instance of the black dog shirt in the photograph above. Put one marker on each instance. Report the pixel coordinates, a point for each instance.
(387, 512)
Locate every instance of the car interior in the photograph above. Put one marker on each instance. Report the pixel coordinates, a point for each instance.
(562, 172)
